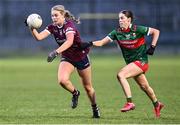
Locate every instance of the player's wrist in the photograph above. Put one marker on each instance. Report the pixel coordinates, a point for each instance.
(90, 43)
(153, 46)
(56, 52)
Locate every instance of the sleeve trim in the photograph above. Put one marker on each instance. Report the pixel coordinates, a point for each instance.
(148, 33)
(70, 32)
(47, 31)
(109, 38)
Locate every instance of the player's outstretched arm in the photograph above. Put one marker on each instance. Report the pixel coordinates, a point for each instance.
(85, 45)
(39, 36)
(34, 22)
(101, 42)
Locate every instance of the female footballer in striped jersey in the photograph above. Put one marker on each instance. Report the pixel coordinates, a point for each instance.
(68, 39)
(130, 39)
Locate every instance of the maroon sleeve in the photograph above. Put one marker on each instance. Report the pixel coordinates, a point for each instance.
(50, 28)
(69, 27)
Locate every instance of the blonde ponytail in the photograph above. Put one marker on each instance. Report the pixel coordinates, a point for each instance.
(69, 16)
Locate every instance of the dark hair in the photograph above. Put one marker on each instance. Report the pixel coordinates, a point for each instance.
(128, 14)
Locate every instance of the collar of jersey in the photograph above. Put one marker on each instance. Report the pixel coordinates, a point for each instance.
(126, 30)
(62, 25)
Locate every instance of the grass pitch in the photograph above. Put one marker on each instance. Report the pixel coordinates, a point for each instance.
(29, 93)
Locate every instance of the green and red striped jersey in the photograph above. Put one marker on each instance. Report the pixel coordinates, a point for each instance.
(131, 42)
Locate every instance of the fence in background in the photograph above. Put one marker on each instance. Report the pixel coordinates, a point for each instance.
(98, 18)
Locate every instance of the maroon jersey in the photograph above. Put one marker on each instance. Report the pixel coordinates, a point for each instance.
(74, 53)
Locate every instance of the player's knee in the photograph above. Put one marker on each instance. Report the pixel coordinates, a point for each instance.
(89, 89)
(63, 81)
(144, 87)
(120, 76)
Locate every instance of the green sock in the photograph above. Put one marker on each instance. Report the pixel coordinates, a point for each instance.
(129, 99)
(155, 103)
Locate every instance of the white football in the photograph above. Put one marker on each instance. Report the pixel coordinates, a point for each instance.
(34, 20)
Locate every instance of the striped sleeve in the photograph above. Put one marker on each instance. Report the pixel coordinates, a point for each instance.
(111, 35)
(143, 30)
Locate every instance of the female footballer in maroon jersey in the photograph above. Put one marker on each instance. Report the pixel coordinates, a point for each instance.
(68, 39)
(130, 39)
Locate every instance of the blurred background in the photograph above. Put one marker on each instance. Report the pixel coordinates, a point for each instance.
(29, 91)
(98, 18)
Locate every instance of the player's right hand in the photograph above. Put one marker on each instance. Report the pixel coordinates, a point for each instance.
(52, 55)
(85, 45)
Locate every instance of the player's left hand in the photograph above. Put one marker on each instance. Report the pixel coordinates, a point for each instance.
(151, 50)
(52, 55)
(85, 45)
(25, 22)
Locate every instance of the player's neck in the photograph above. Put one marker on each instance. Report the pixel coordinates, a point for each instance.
(126, 28)
(62, 23)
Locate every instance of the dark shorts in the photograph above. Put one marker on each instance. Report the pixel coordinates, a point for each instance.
(80, 65)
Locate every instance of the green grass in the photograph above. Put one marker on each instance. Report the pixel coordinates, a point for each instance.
(29, 93)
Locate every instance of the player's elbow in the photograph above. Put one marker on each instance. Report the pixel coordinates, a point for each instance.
(38, 38)
(158, 31)
(155, 31)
